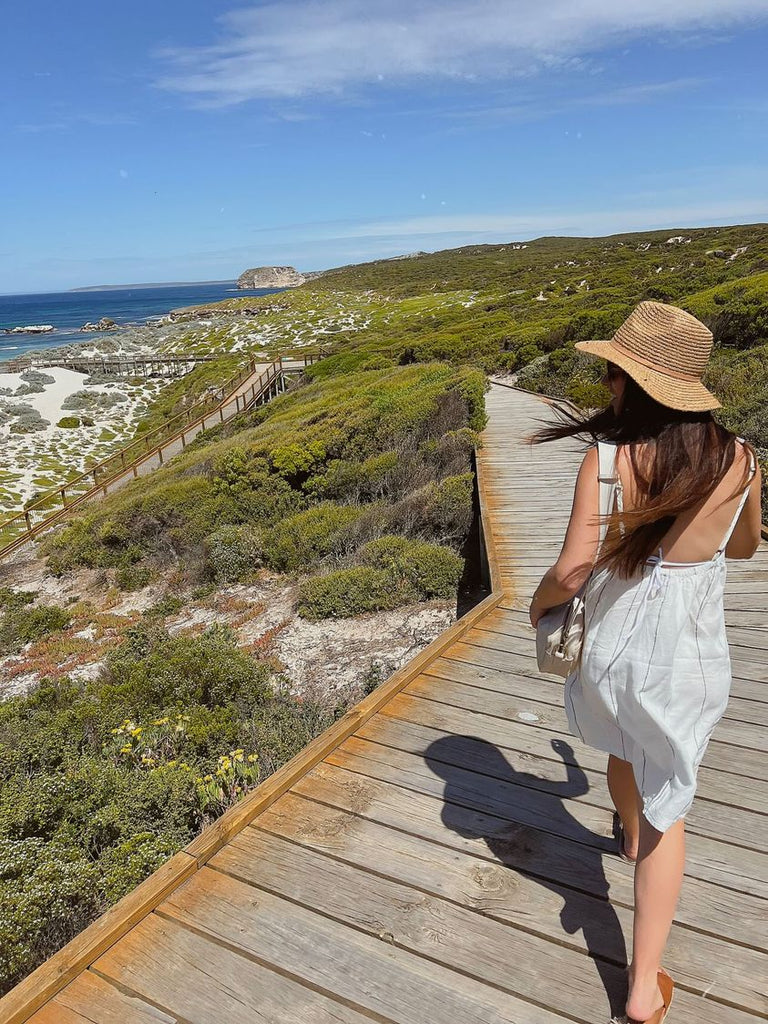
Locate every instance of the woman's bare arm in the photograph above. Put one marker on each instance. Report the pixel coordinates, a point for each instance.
(580, 546)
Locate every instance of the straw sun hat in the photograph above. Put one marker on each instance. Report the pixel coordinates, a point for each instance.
(665, 350)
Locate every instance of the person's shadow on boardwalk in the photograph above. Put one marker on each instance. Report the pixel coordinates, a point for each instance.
(525, 821)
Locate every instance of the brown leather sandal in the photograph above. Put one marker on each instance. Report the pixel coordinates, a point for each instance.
(667, 989)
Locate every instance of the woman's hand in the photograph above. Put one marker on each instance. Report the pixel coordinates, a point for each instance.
(535, 612)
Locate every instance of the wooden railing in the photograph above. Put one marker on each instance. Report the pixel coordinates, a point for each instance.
(151, 444)
(115, 363)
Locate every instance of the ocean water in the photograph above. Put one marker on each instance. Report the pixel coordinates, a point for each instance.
(68, 311)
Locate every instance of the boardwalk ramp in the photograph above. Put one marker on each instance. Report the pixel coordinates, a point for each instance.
(444, 852)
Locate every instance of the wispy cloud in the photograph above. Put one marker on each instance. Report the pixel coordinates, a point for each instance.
(511, 225)
(532, 105)
(69, 122)
(337, 47)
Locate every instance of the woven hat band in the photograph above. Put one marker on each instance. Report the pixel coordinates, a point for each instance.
(652, 365)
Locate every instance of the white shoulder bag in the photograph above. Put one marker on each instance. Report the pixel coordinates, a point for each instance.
(560, 631)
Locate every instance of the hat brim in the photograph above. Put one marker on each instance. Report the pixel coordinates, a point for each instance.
(684, 395)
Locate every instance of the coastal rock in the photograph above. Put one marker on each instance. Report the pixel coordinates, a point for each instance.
(105, 324)
(270, 277)
(31, 329)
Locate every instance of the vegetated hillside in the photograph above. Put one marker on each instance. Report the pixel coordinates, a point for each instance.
(520, 307)
(356, 485)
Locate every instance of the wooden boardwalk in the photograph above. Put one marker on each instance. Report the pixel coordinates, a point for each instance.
(443, 854)
(258, 382)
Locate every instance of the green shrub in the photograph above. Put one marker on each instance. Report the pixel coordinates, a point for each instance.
(347, 592)
(430, 569)
(449, 507)
(233, 553)
(48, 893)
(308, 536)
(21, 625)
(162, 671)
(69, 421)
(134, 577)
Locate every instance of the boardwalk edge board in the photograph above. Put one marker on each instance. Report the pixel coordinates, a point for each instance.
(44, 983)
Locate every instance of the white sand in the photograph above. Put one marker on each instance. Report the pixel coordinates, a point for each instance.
(35, 462)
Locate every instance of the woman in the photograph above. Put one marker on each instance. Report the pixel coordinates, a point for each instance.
(654, 674)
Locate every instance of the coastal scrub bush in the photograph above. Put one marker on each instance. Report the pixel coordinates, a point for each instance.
(133, 576)
(430, 569)
(28, 420)
(32, 376)
(104, 779)
(260, 495)
(449, 507)
(94, 401)
(308, 536)
(347, 592)
(48, 893)
(233, 553)
(21, 625)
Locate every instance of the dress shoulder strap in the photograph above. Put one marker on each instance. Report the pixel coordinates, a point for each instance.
(743, 501)
(611, 490)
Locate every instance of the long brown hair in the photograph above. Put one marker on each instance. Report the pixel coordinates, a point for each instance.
(690, 453)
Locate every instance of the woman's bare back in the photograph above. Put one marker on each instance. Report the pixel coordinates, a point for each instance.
(696, 534)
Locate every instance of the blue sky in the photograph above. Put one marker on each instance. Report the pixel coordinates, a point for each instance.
(166, 141)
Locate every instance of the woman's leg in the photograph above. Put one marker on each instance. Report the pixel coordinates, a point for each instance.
(621, 785)
(658, 878)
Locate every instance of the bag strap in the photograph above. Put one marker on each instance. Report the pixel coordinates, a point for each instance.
(611, 490)
(745, 495)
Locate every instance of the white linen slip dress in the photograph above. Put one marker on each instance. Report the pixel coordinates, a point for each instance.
(655, 673)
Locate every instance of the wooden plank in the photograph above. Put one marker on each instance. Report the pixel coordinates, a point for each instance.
(42, 984)
(522, 676)
(739, 917)
(520, 963)
(749, 738)
(91, 998)
(195, 979)
(368, 973)
(567, 776)
(703, 963)
(736, 732)
(712, 860)
(237, 817)
(507, 734)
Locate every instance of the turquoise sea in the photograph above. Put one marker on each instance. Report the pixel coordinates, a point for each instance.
(68, 311)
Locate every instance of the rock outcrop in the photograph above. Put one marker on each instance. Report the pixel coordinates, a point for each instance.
(31, 329)
(270, 277)
(105, 324)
